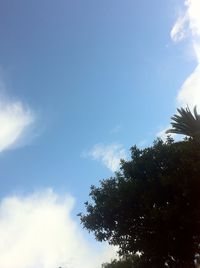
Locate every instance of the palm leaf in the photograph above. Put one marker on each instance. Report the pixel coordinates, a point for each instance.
(185, 122)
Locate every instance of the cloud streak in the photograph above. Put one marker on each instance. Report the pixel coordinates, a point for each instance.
(188, 26)
(109, 155)
(37, 231)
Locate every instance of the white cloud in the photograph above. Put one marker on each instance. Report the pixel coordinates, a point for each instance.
(188, 25)
(15, 118)
(109, 155)
(190, 90)
(37, 231)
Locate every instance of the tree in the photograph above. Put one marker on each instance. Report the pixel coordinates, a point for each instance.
(151, 206)
(125, 262)
(186, 123)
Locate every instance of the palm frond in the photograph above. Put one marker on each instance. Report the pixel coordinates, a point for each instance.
(185, 122)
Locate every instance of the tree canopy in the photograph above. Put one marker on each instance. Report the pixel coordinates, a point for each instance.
(124, 262)
(151, 206)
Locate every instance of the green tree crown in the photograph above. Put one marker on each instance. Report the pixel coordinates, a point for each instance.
(151, 206)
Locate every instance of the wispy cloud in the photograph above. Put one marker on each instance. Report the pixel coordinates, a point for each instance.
(178, 32)
(142, 143)
(188, 25)
(109, 155)
(116, 129)
(15, 118)
(38, 231)
(162, 134)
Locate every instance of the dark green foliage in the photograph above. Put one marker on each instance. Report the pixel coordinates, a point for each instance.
(186, 123)
(118, 264)
(125, 262)
(151, 206)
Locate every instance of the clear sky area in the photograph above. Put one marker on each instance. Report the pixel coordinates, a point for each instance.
(80, 83)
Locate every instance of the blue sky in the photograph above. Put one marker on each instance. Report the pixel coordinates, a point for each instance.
(80, 83)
